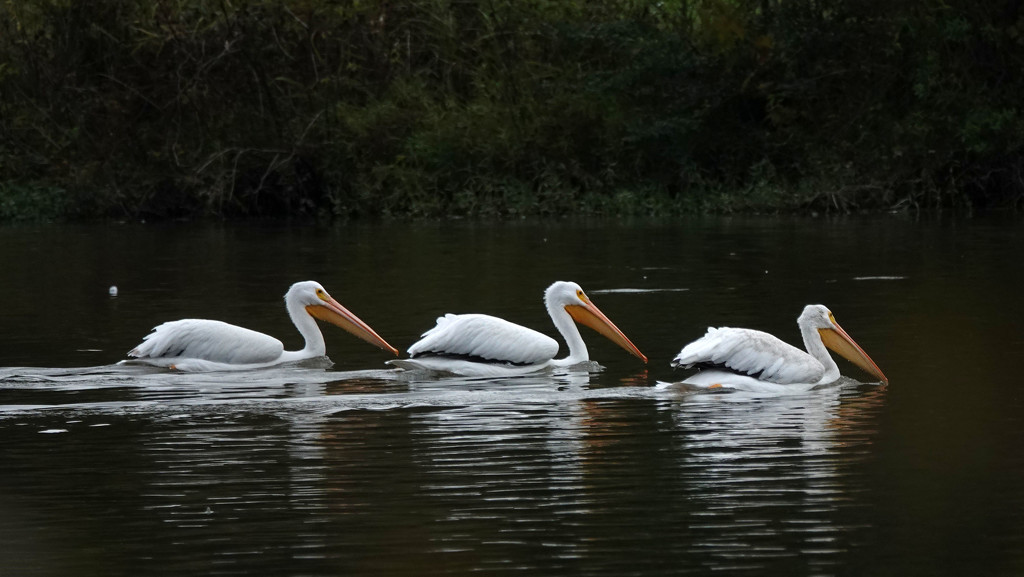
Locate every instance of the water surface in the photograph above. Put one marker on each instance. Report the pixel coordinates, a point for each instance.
(357, 469)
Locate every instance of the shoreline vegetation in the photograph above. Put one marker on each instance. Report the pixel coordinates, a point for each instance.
(507, 108)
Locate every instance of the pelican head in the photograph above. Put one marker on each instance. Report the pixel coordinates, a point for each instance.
(570, 297)
(311, 296)
(833, 336)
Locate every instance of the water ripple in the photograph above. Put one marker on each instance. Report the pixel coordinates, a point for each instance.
(327, 468)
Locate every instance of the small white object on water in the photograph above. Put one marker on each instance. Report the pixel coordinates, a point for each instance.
(113, 290)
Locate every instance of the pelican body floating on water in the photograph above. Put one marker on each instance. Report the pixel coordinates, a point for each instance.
(755, 360)
(205, 345)
(482, 345)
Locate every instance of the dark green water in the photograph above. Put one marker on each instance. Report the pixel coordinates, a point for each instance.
(359, 470)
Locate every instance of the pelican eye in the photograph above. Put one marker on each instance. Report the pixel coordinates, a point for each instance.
(580, 295)
(320, 293)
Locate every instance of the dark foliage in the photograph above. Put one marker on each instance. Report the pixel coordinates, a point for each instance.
(132, 108)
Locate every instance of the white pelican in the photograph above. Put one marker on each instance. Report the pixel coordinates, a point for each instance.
(754, 360)
(482, 345)
(204, 345)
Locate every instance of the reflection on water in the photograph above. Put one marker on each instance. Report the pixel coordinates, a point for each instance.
(380, 472)
(748, 460)
(358, 469)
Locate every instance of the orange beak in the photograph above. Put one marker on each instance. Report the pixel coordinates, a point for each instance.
(589, 315)
(840, 342)
(331, 311)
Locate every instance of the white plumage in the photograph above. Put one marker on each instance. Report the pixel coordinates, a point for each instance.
(753, 353)
(476, 344)
(208, 340)
(486, 337)
(204, 345)
(748, 358)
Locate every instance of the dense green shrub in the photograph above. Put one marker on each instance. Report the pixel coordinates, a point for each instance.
(133, 108)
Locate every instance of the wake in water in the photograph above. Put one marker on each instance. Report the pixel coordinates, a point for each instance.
(119, 388)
